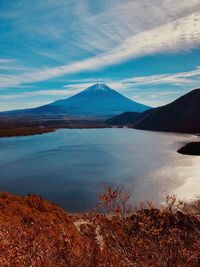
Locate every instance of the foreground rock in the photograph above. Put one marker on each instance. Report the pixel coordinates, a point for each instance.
(192, 148)
(34, 232)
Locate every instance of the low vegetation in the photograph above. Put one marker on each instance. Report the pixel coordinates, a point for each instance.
(20, 126)
(23, 131)
(34, 232)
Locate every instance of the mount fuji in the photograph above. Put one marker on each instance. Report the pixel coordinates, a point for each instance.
(97, 100)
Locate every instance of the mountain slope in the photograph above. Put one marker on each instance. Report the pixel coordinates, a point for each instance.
(124, 119)
(97, 100)
(182, 115)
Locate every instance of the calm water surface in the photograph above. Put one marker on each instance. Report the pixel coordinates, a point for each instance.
(68, 166)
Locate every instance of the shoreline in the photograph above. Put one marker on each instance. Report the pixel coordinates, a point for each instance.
(10, 127)
(191, 148)
(29, 131)
(20, 126)
(24, 131)
(37, 130)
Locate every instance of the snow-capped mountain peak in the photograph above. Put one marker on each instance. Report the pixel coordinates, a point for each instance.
(98, 87)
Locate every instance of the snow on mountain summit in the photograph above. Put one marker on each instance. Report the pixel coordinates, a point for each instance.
(98, 87)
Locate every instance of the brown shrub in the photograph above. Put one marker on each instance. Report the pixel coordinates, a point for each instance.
(34, 232)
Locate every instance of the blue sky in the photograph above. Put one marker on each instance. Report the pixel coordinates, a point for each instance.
(149, 50)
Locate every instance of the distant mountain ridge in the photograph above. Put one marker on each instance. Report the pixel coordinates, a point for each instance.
(124, 119)
(97, 100)
(182, 115)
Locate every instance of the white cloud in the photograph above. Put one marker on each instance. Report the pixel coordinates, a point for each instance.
(121, 19)
(191, 77)
(69, 90)
(6, 60)
(56, 92)
(10, 64)
(178, 35)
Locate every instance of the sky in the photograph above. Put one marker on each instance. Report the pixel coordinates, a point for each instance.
(148, 50)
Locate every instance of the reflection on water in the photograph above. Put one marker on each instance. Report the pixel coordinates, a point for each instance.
(67, 166)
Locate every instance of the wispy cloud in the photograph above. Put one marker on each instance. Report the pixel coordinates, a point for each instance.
(191, 77)
(67, 41)
(179, 35)
(6, 60)
(11, 64)
(56, 92)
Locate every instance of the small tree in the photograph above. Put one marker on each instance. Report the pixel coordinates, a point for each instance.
(115, 199)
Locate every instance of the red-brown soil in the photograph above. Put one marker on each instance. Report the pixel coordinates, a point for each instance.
(34, 232)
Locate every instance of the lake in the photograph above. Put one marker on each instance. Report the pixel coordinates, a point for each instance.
(68, 166)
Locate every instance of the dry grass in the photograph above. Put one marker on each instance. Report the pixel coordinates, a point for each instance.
(34, 232)
(23, 131)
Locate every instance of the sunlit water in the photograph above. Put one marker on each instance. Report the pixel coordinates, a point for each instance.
(68, 166)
